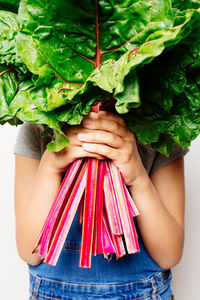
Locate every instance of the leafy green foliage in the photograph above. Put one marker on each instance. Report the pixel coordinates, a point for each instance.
(9, 5)
(67, 55)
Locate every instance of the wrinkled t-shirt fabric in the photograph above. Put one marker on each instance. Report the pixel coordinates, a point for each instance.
(130, 273)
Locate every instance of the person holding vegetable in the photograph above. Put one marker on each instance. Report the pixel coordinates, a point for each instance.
(59, 59)
(156, 184)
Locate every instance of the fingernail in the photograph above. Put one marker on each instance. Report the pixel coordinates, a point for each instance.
(81, 136)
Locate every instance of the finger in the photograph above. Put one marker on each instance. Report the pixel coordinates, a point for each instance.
(72, 134)
(80, 152)
(102, 150)
(71, 129)
(101, 137)
(108, 116)
(113, 117)
(106, 125)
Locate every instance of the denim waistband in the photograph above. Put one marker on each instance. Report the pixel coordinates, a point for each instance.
(54, 289)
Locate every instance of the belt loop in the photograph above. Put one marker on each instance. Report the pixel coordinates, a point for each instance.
(36, 287)
(154, 286)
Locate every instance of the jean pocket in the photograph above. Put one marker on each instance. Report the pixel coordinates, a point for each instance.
(72, 246)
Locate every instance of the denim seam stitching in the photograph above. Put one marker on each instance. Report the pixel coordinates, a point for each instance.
(149, 294)
(48, 297)
(146, 295)
(98, 286)
(59, 298)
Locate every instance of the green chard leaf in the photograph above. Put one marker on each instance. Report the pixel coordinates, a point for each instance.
(66, 49)
(8, 88)
(186, 4)
(8, 31)
(143, 56)
(24, 109)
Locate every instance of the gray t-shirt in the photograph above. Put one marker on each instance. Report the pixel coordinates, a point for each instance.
(29, 143)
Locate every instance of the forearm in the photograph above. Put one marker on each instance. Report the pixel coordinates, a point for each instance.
(162, 235)
(33, 215)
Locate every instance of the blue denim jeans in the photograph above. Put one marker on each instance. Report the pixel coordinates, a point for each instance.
(135, 276)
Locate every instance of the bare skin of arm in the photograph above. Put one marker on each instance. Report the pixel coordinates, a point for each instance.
(159, 198)
(160, 201)
(35, 191)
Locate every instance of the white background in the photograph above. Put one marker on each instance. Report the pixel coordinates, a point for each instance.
(14, 280)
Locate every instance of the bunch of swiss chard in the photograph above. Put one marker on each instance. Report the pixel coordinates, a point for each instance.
(60, 58)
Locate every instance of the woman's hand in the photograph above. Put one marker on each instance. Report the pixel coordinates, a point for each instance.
(108, 136)
(57, 162)
(160, 212)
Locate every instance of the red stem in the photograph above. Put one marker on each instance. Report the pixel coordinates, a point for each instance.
(90, 12)
(77, 83)
(98, 49)
(7, 70)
